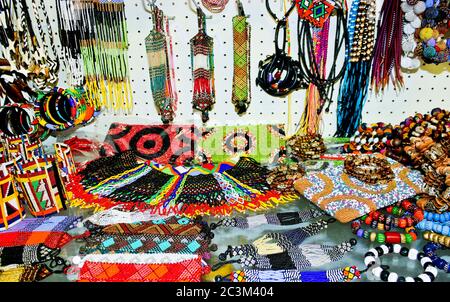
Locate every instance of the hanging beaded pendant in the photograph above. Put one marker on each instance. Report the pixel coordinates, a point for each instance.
(202, 61)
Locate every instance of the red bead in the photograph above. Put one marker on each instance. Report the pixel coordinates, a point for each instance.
(368, 220)
(402, 223)
(409, 221)
(419, 215)
(413, 235)
(389, 209)
(392, 237)
(376, 215)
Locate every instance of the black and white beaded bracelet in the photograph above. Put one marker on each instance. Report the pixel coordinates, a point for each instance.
(380, 272)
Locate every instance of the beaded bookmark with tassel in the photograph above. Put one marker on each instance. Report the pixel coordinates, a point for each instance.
(202, 62)
(388, 47)
(355, 84)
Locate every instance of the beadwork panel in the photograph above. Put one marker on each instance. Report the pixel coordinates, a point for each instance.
(423, 91)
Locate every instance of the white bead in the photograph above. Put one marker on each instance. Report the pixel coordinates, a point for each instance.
(369, 260)
(374, 251)
(415, 63)
(406, 7)
(409, 16)
(419, 8)
(385, 249)
(408, 29)
(412, 254)
(424, 260)
(409, 279)
(405, 62)
(416, 23)
(377, 271)
(424, 277)
(397, 248)
(432, 269)
(76, 260)
(393, 277)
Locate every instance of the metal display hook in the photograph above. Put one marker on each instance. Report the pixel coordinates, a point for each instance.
(197, 6)
(149, 4)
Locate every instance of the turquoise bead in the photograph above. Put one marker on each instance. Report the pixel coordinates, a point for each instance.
(446, 230)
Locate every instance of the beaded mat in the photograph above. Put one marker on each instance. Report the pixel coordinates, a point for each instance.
(347, 198)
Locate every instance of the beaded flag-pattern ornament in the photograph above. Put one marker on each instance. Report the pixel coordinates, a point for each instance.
(202, 62)
(315, 11)
(158, 46)
(241, 45)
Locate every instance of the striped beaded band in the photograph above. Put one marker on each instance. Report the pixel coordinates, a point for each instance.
(380, 272)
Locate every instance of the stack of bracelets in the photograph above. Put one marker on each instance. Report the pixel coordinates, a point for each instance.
(381, 272)
(437, 223)
(372, 138)
(430, 250)
(282, 178)
(404, 215)
(304, 147)
(369, 169)
(61, 109)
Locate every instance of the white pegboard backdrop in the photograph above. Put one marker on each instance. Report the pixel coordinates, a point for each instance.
(423, 91)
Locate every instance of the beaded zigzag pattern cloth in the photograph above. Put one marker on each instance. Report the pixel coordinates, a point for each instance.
(210, 189)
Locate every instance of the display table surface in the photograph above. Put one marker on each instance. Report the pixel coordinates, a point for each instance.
(335, 234)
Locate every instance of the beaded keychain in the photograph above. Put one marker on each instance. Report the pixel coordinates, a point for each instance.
(286, 218)
(298, 258)
(250, 275)
(147, 243)
(274, 243)
(241, 95)
(381, 272)
(159, 50)
(202, 63)
(405, 215)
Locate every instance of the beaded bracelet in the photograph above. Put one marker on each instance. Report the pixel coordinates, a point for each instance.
(381, 272)
(436, 238)
(387, 237)
(369, 169)
(430, 250)
(379, 221)
(436, 227)
(437, 217)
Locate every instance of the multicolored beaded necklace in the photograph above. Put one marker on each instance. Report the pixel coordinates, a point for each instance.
(355, 84)
(405, 215)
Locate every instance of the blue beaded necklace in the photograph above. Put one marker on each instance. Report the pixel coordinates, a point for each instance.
(436, 227)
(430, 250)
